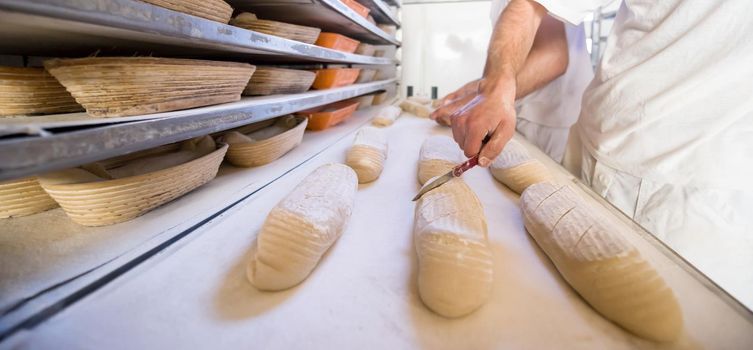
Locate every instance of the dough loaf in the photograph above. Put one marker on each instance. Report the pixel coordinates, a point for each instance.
(367, 154)
(438, 155)
(386, 116)
(515, 168)
(302, 227)
(415, 108)
(606, 270)
(455, 266)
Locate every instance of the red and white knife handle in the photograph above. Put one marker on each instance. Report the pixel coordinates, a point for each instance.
(460, 169)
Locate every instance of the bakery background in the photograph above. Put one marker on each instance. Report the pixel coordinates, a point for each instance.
(143, 145)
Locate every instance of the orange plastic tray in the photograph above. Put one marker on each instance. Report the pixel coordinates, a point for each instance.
(326, 116)
(337, 42)
(356, 6)
(335, 77)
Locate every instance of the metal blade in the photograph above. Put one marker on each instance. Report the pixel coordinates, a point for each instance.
(434, 184)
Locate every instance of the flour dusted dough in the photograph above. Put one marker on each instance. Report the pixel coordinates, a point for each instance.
(386, 116)
(415, 108)
(515, 168)
(300, 229)
(438, 155)
(367, 154)
(606, 270)
(455, 266)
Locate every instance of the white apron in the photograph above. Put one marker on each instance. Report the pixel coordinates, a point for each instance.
(666, 128)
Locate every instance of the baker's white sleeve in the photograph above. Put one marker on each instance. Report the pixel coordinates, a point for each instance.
(572, 11)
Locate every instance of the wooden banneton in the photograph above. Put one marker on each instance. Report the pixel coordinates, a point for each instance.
(365, 49)
(364, 101)
(268, 144)
(295, 32)
(109, 202)
(366, 75)
(23, 197)
(215, 10)
(272, 80)
(26, 90)
(124, 86)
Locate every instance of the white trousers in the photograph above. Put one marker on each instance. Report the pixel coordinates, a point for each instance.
(711, 228)
(549, 139)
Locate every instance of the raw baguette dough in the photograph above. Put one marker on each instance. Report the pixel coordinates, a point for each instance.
(455, 266)
(386, 116)
(438, 155)
(415, 108)
(367, 154)
(420, 100)
(515, 168)
(606, 270)
(300, 229)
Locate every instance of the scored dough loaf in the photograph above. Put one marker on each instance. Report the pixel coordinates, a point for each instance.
(515, 168)
(607, 271)
(302, 227)
(386, 116)
(438, 155)
(455, 266)
(367, 154)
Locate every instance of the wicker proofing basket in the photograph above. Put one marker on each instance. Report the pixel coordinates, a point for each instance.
(23, 197)
(123, 86)
(113, 201)
(295, 32)
(271, 80)
(25, 90)
(215, 10)
(268, 149)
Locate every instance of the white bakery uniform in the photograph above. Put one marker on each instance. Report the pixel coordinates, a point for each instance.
(545, 115)
(666, 128)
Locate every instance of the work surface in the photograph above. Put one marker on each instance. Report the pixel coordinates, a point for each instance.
(363, 294)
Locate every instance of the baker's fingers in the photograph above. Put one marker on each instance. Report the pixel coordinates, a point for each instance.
(445, 121)
(497, 142)
(447, 112)
(458, 130)
(475, 132)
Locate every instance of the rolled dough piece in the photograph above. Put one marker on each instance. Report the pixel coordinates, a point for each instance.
(367, 154)
(455, 266)
(606, 270)
(302, 227)
(438, 155)
(415, 108)
(386, 116)
(515, 168)
(420, 100)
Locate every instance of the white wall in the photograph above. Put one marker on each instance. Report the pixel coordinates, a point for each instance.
(444, 45)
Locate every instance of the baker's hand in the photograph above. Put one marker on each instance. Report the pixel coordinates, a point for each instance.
(492, 112)
(449, 104)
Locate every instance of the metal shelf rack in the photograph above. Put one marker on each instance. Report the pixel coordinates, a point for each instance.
(329, 15)
(79, 28)
(31, 155)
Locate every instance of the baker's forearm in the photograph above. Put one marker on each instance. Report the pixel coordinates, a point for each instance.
(547, 60)
(511, 42)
